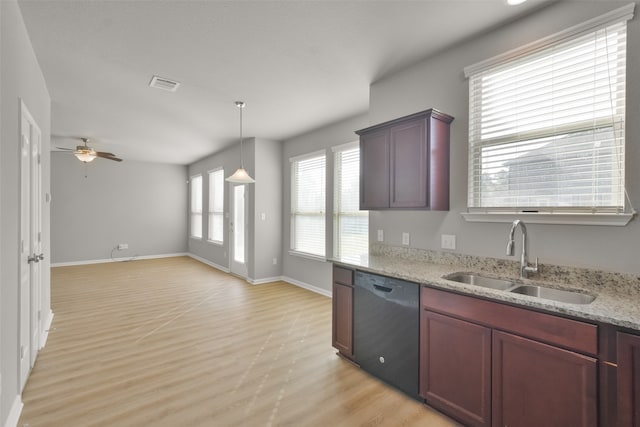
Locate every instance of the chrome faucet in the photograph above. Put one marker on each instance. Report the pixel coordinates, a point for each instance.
(525, 269)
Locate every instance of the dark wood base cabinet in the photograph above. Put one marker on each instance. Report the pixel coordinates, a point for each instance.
(342, 333)
(456, 367)
(535, 384)
(628, 380)
(485, 364)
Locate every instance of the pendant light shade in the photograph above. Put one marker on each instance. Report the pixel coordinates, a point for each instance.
(241, 176)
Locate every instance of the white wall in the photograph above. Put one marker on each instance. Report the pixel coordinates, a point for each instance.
(20, 78)
(439, 82)
(307, 271)
(138, 203)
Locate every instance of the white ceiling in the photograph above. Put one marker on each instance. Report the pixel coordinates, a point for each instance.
(298, 65)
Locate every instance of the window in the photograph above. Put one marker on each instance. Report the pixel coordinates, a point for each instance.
(196, 206)
(216, 206)
(350, 224)
(546, 124)
(308, 182)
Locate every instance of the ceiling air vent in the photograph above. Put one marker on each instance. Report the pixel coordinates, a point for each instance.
(164, 84)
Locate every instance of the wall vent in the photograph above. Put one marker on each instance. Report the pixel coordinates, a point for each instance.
(164, 83)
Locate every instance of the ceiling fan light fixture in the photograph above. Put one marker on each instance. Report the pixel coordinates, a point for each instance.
(241, 176)
(85, 155)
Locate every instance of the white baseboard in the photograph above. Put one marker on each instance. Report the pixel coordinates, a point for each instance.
(14, 413)
(266, 280)
(122, 259)
(47, 326)
(307, 286)
(209, 263)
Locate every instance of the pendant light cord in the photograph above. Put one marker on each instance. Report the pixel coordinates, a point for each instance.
(240, 105)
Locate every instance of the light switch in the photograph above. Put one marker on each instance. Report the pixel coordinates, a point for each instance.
(405, 239)
(448, 241)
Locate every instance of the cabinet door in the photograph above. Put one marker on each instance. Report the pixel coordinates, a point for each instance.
(374, 170)
(536, 384)
(343, 319)
(455, 367)
(409, 175)
(628, 380)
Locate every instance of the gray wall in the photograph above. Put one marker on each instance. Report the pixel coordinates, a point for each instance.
(266, 239)
(263, 161)
(20, 78)
(439, 82)
(141, 204)
(229, 159)
(296, 268)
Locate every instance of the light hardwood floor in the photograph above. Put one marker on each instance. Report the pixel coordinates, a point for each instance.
(174, 342)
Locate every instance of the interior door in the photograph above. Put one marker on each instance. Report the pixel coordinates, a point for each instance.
(30, 243)
(25, 248)
(36, 243)
(238, 231)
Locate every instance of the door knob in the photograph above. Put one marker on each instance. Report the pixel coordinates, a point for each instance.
(33, 258)
(41, 257)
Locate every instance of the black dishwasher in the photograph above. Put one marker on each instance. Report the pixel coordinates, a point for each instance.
(386, 329)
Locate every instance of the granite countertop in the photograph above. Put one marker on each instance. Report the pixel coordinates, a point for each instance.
(617, 295)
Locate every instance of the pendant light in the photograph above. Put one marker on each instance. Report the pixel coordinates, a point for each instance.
(241, 176)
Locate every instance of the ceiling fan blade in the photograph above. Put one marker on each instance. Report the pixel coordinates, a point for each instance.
(105, 153)
(65, 149)
(106, 156)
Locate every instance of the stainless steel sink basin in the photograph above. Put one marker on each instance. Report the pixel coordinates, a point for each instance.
(553, 294)
(482, 281)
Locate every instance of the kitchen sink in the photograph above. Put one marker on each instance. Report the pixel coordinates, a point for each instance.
(553, 294)
(482, 281)
(559, 295)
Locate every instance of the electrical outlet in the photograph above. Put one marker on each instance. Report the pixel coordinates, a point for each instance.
(123, 246)
(275, 261)
(380, 235)
(405, 239)
(448, 241)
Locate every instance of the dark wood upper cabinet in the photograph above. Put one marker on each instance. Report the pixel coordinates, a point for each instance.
(404, 163)
(628, 380)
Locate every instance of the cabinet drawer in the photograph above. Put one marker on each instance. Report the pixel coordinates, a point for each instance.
(343, 275)
(567, 333)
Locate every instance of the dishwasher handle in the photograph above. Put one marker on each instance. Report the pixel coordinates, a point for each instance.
(383, 288)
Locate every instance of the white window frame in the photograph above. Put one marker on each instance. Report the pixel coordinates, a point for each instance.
(555, 215)
(195, 205)
(340, 248)
(294, 250)
(215, 209)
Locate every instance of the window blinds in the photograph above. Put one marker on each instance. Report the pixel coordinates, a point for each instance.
(546, 128)
(216, 206)
(196, 206)
(351, 225)
(308, 182)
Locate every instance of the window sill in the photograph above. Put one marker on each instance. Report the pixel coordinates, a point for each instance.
(617, 220)
(308, 256)
(215, 242)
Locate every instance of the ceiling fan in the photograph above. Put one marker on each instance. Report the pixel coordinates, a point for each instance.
(86, 154)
